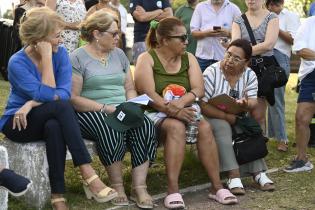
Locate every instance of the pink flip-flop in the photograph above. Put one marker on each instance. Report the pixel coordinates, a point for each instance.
(224, 196)
(174, 201)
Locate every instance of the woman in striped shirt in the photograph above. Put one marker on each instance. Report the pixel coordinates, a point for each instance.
(231, 76)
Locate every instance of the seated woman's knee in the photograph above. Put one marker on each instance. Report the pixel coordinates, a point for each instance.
(52, 125)
(205, 132)
(62, 105)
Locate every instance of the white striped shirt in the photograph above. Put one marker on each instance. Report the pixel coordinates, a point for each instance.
(216, 84)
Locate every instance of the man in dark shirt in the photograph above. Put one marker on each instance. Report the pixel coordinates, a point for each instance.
(143, 11)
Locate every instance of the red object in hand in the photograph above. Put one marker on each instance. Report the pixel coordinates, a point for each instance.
(177, 90)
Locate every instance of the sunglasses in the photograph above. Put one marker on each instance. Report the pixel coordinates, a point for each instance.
(234, 93)
(114, 34)
(183, 38)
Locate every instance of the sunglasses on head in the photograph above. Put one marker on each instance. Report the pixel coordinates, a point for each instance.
(183, 38)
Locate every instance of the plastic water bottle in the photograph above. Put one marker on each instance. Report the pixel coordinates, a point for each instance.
(192, 127)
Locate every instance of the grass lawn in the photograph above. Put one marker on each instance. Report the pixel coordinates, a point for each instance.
(294, 191)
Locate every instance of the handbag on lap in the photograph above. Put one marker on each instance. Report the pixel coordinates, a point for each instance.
(249, 144)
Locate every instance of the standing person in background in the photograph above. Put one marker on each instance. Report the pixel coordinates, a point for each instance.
(123, 21)
(289, 22)
(143, 11)
(311, 12)
(73, 12)
(265, 26)
(304, 46)
(210, 24)
(184, 13)
(18, 13)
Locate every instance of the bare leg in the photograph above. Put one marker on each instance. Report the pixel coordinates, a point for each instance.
(235, 173)
(114, 172)
(208, 154)
(259, 113)
(174, 150)
(87, 171)
(303, 117)
(139, 177)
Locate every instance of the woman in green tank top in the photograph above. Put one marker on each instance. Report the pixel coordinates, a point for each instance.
(167, 63)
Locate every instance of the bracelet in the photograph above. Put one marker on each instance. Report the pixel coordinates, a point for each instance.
(103, 108)
(196, 97)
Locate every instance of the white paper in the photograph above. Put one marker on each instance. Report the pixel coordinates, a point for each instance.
(142, 99)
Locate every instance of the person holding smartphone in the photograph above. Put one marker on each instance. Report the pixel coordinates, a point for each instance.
(211, 26)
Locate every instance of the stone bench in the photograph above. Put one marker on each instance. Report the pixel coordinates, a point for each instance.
(29, 159)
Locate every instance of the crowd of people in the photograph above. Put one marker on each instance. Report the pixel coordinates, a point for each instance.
(71, 79)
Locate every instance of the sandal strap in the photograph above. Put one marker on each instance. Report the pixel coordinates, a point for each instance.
(263, 179)
(235, 183)
(57, 200)
(104, 192)
(91, 179)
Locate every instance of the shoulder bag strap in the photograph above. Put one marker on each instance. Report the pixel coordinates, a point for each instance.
(249, 30)
(259, 60)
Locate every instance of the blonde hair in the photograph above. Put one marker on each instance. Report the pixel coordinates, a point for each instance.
(99, 20)
(38, 23)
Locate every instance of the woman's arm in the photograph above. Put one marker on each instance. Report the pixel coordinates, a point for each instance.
(130, 86)
(144, 82)
(236, 31)
(271, 37)
(196, 82)
(51, 4)
(82, 104)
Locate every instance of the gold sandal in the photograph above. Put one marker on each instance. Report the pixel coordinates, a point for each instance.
(57, 200)
(145, 201)
(121, 199)
(101, 197)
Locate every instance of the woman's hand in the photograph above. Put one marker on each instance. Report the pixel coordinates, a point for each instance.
(243, 102)
(19, 119)
(174, 106)
(44, 49)
(110, 109)
(186, 114)
(231, 118)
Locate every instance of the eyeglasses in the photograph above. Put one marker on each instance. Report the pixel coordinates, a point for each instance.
(183, 38)
(234, 93)
(234, 59)
(113, 33)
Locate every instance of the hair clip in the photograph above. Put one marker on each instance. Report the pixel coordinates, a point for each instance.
(154, 24)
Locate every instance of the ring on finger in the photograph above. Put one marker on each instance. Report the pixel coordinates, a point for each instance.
(17, 117)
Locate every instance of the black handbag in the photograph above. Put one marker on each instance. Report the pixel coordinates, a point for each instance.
(248, 142)
(269, 73)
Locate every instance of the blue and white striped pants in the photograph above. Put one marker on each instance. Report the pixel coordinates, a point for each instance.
(112, 145)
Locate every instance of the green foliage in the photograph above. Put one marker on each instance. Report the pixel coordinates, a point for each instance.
(125, 3)
(8, 14)
(301, 7)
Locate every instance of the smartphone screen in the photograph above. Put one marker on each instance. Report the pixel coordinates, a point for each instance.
(216, 27)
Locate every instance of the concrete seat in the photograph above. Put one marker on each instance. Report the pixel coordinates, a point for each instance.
(29, 159)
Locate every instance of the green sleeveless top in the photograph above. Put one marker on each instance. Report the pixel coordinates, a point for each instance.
(163, 78)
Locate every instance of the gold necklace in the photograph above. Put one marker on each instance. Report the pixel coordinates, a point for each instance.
(104, 60)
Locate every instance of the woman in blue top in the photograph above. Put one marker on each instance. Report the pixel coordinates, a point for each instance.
(38, 106)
